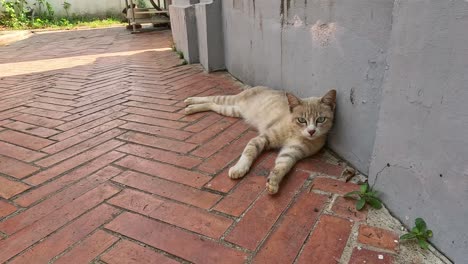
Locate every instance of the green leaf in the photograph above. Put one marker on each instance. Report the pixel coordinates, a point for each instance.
(351, 194)
(408, 236)
(360, 204)
(364, 187)
(423, 243)
(372, 193)
(420, 224)
(429, 233)
(374, 202)
(415, 230)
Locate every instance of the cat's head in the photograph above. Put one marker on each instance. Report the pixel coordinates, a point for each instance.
(313, 116)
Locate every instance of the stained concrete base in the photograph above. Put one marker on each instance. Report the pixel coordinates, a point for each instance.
(184, 30)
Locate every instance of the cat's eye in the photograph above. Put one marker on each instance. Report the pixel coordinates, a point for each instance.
(321, 119)
(302, 120)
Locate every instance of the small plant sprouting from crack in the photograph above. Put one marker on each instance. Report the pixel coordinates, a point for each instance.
(184, 62)
(181, 54)
(420, 233)
(365, 196)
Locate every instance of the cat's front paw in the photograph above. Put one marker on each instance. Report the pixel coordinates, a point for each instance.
(237, 172)
(272, 186)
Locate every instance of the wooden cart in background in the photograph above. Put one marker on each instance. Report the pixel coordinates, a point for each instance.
(157, 15)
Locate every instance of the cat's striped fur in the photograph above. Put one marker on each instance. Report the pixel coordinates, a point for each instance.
(298, 127)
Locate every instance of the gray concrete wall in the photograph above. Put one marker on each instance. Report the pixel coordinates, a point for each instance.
(423, 124)
(198, 32)
(184, 28)
(311, 46)
(210, 34)
(202, 29)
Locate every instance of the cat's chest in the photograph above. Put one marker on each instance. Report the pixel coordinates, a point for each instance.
(281, 136)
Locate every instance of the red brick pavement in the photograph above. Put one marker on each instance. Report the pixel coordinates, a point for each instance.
(99, 164)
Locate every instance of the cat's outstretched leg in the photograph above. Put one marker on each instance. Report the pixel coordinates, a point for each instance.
(286, 159)
(198, 100)
(217, 99)
(225, 99)
(255, 146)
(226, 110)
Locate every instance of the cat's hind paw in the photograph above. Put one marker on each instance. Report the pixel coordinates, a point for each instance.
(191, 109)
(237, 172)
(190, 101)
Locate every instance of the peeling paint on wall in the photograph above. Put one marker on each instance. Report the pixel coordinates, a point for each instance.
(238, 4)
(323, 33)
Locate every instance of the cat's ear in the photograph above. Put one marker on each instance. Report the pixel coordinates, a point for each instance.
(329, 99)
(293, 100)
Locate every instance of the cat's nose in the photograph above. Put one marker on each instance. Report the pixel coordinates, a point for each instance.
(311, 132)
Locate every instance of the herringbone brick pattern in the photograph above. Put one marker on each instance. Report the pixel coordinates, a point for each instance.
(99, 164)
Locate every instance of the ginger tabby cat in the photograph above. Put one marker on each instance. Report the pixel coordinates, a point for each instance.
(298, 127)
